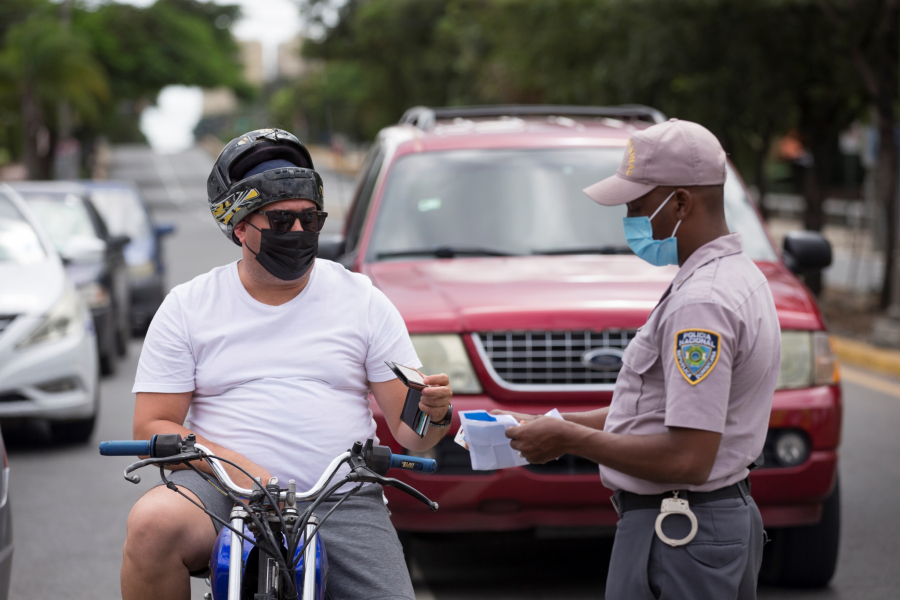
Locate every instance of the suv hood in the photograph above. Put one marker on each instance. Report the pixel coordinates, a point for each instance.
(549, 293)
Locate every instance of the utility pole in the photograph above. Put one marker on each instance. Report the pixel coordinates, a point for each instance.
(67, 158)
(886, 331)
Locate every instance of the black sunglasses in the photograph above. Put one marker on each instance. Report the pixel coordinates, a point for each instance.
(281, 221)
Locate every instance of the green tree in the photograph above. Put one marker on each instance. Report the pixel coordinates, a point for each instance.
(145, 49)
(43, 62)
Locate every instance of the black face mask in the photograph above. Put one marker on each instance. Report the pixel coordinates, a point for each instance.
(287, 256)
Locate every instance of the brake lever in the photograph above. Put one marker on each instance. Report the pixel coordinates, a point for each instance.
(178, 458)
(405, 487)
(363, 473)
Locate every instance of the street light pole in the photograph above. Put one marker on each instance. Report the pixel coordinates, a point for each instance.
(887, 329)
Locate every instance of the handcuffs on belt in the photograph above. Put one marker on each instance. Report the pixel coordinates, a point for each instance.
(675, 506)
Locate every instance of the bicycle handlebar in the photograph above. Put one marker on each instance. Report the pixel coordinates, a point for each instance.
(125, 448)
(413, 463)
(162, 446)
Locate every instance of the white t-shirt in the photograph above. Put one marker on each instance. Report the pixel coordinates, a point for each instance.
(286, 386)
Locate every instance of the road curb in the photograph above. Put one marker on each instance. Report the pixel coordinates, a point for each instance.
(867, 356)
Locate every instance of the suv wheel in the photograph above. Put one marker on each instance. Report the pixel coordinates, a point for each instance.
(805, 556)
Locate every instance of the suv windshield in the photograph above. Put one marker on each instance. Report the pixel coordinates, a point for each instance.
(516, 202)
(63, 216)
(122, 212)
(19, 242)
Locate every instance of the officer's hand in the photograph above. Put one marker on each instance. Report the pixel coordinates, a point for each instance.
(518, 416)
(436, 397)
(540, 440)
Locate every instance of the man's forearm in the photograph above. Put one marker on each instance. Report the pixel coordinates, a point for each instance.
(595, 419)
(662, 458)
(147, 430)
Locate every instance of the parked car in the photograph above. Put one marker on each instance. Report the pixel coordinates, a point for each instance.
(126, 213)
(93, 258)
(473, 222)
(6, 532)
(48, 346)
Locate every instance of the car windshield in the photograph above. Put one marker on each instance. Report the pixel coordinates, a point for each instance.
(122, 212)
(19, 243)
(62, 215)
(515, 202)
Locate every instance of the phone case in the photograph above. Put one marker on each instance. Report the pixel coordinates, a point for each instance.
(417, 420)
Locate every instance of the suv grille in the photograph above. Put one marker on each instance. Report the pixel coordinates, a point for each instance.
(532, 358)
(453, 459)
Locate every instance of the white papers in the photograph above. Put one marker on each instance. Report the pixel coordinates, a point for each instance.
(484, 435)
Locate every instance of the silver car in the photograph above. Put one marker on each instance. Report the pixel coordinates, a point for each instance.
(48, 347)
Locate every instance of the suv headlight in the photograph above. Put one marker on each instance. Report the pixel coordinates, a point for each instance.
(64, 319)
(807, 359)
(445, 353)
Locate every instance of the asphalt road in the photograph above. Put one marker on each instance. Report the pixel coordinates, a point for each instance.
(70, 505)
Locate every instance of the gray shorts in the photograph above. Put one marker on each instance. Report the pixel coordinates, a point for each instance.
(365, 559)
(722, 561)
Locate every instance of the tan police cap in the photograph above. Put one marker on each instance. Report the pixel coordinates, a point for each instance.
(674, 153)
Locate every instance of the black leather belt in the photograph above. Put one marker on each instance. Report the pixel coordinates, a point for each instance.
(624, 501)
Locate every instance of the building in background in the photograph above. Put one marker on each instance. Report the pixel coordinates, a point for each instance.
(291, 64)
(252, 59)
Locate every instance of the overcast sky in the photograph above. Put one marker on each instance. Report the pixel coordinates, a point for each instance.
(168, 126)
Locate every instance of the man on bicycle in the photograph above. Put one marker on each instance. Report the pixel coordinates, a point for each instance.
(271, 360)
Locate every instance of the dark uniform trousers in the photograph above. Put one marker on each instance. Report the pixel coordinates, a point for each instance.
(721, 563)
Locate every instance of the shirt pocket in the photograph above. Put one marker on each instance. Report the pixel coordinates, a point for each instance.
(636, 362)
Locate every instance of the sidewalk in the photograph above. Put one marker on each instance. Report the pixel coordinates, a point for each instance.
(866, 356)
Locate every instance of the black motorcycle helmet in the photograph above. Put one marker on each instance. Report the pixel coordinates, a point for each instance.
(237, 187)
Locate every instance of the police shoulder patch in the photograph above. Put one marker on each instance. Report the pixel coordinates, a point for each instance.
(696, 353)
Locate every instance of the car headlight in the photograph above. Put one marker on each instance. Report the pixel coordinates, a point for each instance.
(94, 295)
(64, 319)
(445, 353)
(807, 359)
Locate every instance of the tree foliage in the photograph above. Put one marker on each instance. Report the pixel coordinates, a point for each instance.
(107, 61)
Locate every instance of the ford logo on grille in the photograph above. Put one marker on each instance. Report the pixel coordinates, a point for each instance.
(602, 359)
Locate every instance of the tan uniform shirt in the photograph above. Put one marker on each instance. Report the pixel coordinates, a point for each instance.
(708, 358)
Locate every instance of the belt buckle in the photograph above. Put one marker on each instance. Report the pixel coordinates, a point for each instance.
(615, 504)
(675, 506)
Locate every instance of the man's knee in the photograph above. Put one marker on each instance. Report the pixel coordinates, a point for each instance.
(163, 525)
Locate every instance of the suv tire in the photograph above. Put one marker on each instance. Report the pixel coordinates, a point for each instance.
(805, 556)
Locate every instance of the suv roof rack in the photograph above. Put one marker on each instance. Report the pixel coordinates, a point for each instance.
(424, 117)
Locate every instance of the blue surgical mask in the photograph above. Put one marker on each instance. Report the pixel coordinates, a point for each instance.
(639, 235)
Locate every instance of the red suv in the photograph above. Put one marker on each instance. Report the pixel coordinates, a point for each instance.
(473, 222)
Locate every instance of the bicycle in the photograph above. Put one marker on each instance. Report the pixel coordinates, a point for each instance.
(277, 540)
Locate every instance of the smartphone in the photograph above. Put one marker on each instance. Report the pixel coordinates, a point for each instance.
(410, 377)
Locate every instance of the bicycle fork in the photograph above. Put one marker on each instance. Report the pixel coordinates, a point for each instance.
(270, 572)
(236, 556)
(309, 559)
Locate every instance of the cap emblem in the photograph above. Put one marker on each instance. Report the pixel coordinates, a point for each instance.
(631, 159)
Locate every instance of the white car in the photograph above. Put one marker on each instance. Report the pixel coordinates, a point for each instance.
(48, 347)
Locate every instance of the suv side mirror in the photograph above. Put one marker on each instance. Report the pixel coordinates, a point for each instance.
(331, 246)
(117, 242)
(164, 229)
(806, 251)
(81, 249)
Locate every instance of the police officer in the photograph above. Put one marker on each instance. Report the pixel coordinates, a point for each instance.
(691, 405)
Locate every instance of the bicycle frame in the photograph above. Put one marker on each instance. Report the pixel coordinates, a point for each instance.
(272, 513)
(227, 567)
